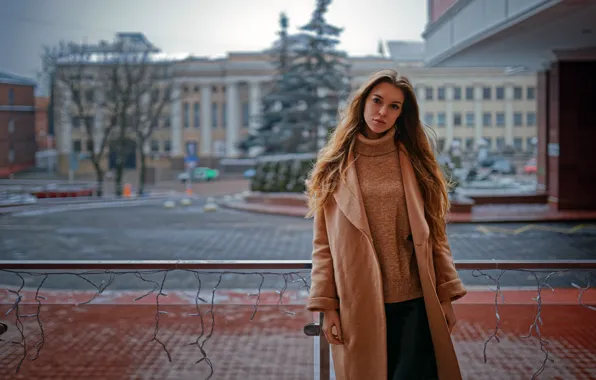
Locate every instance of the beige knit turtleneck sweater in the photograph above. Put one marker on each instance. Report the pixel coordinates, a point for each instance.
(379, 176)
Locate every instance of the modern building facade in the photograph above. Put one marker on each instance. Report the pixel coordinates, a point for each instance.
(17, 124)
(218, 102)
(556, 39)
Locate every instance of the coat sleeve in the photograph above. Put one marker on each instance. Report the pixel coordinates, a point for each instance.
(449, 285)
(323, 293)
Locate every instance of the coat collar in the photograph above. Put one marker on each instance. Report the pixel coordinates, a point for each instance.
(349, 199)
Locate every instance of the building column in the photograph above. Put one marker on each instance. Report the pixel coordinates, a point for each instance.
(254, 105)
(542, 119)
(233, 121)
(420, 93)
(65, 143)
(206, 128)
(449, 117)
(176, 122)
(509, 115)
(478, 119)
(99, 122)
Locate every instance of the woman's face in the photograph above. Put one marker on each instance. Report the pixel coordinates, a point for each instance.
(382, 107)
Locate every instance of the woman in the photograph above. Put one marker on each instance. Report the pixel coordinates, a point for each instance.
(383, 274)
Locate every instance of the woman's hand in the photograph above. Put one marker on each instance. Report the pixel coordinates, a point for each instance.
(449, 314)
(332, 327)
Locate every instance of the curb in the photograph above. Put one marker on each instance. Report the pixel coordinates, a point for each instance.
(455, 218)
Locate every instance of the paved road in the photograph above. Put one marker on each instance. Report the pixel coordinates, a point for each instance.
(150, 231)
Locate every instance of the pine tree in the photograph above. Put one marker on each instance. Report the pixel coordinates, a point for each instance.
(311, 80)
(325, 72)
(272, 135)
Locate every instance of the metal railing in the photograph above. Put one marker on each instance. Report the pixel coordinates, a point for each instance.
(232, 266)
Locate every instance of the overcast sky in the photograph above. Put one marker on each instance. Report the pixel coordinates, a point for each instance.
(201, 27)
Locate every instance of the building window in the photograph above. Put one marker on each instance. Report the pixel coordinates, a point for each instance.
(500, 144)
(456, 93)
(90, 145)
(245, 114)
(500, 93)
(531, 94)
(517, 144)
(489, 142)
(529, 144)
(440, 144)
(486, 93)
(428, 93)
(441, 93)
(469, 93)
(167, 146)
(469, 143)
(517, 93)
(11, 156)
(470, 119)
(166, 120)
(154, 146)
(11, 96)
(197, 115)
(487, 119)
(500, 119)
(518, 119)
(186, 115)
(531, 119)
(441, 119)
(11, 126)
(214, 110)
(457, 119)
(429, 118)
(76, 146)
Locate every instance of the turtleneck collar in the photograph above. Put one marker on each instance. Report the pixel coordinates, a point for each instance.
(376, 147)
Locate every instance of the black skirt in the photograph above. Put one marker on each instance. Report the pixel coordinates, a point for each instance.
(410, 352)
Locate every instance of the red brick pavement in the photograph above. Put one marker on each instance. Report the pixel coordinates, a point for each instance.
(111, 340)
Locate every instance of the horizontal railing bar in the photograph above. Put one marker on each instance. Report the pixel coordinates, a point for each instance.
(266, 264)
(524, 264)
(154, 264)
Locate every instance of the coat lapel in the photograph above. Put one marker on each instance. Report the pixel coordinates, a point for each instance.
(349, 199)
(414, 201)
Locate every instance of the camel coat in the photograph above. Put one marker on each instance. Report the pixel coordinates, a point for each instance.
(346, 275)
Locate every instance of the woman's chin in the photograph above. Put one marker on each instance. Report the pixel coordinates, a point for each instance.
(378, 129)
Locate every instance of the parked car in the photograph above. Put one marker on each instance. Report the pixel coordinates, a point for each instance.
(530, 167)
(502, 167)
(495, 165)
(199, 174)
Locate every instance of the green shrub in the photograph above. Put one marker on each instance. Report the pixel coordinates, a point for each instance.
(282, 173)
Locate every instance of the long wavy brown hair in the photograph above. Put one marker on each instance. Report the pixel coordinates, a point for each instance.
(332, 161)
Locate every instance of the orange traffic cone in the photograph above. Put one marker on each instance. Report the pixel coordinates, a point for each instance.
(127, 190)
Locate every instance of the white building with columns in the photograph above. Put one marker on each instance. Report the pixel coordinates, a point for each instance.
(218, 102)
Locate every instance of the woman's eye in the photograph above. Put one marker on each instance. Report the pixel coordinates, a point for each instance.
(395, 107)
(376, 100)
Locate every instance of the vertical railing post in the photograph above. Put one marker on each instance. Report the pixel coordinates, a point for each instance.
(324, 355)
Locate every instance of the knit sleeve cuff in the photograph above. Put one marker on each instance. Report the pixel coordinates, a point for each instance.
(322, 304)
